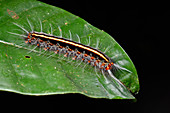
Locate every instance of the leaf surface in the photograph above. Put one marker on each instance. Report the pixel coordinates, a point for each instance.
(25, 71)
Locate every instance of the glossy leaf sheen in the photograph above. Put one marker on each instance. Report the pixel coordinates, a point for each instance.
(38, 75)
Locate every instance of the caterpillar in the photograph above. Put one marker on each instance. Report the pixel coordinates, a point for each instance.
(69, 48)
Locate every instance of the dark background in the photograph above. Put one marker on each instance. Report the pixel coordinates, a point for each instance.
(140, 28)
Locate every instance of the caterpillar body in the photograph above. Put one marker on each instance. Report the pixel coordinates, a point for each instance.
(69, 48)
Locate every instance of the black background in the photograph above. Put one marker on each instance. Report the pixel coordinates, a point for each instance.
(140, 28)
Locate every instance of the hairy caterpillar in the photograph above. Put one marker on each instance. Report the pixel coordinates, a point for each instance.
(69, 48)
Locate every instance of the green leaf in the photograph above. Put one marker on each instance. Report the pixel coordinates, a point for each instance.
(27, 71)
